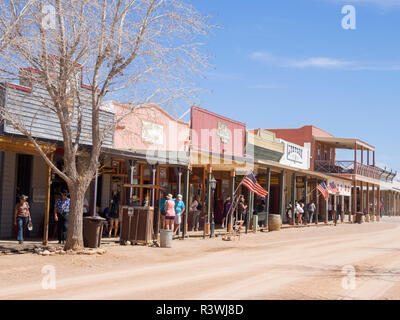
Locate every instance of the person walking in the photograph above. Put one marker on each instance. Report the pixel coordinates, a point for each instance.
(61, 215)
(114, 216)
(311, 209)
(170, 215)
(22, 216)
(179, 210)
(195, 207)
(298, 213)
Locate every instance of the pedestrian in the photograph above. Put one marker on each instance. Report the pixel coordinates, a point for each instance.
(298, 213)
(22, 216)
(195, 207)
(227, 205)
(242, 209)
(330, 210)
(311, 209)
(85, 207)
(179, 210)
(289, 213)
(61, 215)
(114, 215)
(170, 215)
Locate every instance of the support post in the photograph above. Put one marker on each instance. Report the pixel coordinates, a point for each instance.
(47, 206)
(209, 191)
(230, 221)
(373, 216)
(306, 217)
(187, 204)
(316, 201)
(268, 197)
(378, 216)
(354, 209)
(282, 194)
(367, 218)
(293, 197)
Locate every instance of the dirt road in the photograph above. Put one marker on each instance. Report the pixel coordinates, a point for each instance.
(343, 262)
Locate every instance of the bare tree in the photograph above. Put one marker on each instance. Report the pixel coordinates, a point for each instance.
(137, 51)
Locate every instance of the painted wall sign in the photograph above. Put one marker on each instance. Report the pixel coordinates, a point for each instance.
(223, 132)
(152, 133)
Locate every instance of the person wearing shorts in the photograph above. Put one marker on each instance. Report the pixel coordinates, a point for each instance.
(179, 210)
(114, 216)
(170, 216)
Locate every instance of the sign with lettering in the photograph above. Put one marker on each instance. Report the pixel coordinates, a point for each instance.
(223, 132)
(152, 133)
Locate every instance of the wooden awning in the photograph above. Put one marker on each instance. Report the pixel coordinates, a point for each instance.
(144, 186)
(345, 143)
(20, 145)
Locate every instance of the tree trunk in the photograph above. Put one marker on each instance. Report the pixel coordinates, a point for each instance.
(75, 223)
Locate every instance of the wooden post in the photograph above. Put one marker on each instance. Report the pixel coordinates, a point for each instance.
(282, 194)
(209, 196)
(355, 159)
(316, 201)
(373, 216)
(233, 178)
(378, 216)
(268, 197)
(306, 217)
(293, 197)
(47, 206)
(367, 204)
(342, 213)
(354, 211)
(186, 192)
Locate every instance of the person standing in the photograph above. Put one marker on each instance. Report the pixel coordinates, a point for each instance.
(170, 215)
(22, 217)
(242, 209)
(114, 216)
(195, 208)
(179, 210)
(61, 215)
(227, 205)
(311, 209)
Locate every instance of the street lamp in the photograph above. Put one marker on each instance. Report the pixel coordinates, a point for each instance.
(213, 184)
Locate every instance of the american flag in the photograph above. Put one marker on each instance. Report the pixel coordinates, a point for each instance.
(323, 189)
(333, 188)
(250, 182)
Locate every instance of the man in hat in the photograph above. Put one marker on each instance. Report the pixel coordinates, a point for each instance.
(61, 215)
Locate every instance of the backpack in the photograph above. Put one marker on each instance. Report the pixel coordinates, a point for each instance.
(164, 209)
(199, 206)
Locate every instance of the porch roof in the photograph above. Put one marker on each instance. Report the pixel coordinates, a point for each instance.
(345, 143)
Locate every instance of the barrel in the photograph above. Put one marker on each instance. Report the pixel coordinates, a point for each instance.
(166, 238)
(274, 222)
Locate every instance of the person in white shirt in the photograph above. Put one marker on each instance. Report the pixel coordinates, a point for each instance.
(85, 207)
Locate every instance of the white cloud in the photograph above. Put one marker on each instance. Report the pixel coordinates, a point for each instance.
(321, 62)
(314, 62)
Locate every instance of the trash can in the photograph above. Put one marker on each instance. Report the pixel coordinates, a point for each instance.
(92, 231)
(360, 217)
(166, 238)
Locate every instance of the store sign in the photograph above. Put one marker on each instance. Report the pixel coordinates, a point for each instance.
(344, 188)
(152, 133)
(223, 132)
(294, 153)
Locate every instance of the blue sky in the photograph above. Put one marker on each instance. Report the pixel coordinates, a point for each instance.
(288, 63)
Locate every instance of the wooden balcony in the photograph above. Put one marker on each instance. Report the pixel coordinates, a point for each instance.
(347, 167)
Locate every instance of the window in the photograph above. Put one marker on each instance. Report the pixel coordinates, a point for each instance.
(319, 152)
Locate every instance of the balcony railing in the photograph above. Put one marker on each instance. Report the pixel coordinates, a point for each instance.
(347, 167)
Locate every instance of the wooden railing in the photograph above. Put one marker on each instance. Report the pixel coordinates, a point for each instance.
(347, 167)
